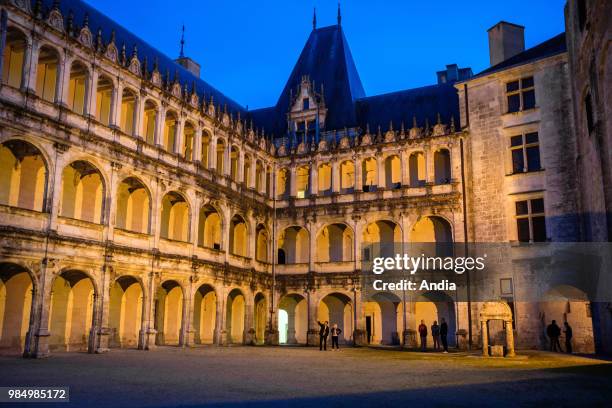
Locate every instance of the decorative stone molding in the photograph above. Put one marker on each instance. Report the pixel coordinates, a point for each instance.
(55, 20)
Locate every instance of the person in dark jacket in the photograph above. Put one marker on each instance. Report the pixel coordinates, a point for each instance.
(423, 334)
(568, 337)
(443, 334)
(435, 334)
(553, 332)
(323, 333)
(335, 333)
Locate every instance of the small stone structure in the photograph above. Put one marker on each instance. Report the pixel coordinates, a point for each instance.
(496, 311)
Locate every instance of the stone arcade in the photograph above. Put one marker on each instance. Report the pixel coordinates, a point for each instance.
(140, 206)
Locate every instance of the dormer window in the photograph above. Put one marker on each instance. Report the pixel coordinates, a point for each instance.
(305, 104)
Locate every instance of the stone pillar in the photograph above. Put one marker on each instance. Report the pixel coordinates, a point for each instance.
(115, 109)
(485, 338)
(187, 326)
(358, 176)
(139, 108)
(405, 177)
(313, 326)
(314, 179)
(91, 93)
(30, 64)
(359, 329)
(292, 181)
(227, 162)
(212, 153)
(291, 339)
(509, 339)
(144, 319)
(380, 170)
(100, 329)
(150, 331)
(197, 144)
(335, 176)
(41, 333)
(160, 118)
(220, 334)
(249, 321)
(430, 176)
(179, 137)
(240, 176)
(63, 80)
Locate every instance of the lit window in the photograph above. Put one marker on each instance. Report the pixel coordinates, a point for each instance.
(525, 150)
(530, 220)
(520, 95)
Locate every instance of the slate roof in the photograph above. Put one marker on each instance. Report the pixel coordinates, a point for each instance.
(548, 48)
(122, 36)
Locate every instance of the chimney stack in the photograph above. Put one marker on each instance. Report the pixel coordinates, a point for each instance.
(505, 41)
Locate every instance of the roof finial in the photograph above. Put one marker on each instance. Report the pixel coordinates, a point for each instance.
(314, 19)
(182, 54)
(339, 15)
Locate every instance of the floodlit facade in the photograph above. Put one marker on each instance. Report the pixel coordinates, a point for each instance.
(140, 206)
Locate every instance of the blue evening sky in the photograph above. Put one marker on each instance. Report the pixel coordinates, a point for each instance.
(248, 48)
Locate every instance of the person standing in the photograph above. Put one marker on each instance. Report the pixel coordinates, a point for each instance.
(335, 333)
(323, 333)
(568, 337)
(435, 334)
(553, 332)
(423, 334)
(443, 334)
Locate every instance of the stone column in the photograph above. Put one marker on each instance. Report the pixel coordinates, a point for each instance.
(30, 64)
(314, 178)
(359, 329)
(380, 170)
(146, 311)
(485, 338)
(160, 118)
(430, 176)
(115, 109)
(358, 176)
(291, 339)
(139, 109)
(187, 330)
(63, 79)
(212, 153)
(150, 331)
(249, 321)
(313, 327)
(41, 333)
(405, 177)
(292, 181)
(227, 162)
(91, 93)
(101, 331)
(509, 339)
(335, 176)
(220, 334)
(179, 136)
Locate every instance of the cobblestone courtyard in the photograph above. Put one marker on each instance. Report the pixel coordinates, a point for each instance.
(306, 377)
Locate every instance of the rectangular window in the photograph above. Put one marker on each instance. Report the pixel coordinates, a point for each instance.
(520, 95)
(525, 151)
(306, 103)
(530, 220)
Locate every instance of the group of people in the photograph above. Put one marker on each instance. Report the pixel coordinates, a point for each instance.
(324, 333)
(554, 332)
(438, 332)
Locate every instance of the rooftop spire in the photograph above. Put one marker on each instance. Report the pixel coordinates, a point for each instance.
(339, 15)
(182, 54)
(314, 19)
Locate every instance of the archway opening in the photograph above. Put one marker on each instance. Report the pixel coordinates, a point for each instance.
(436, 306)
(383, 319)
(282, 184)
(170, 131)
(416, 169)
(262, 244)
(431, 236)
(205, 314)
(169, 313)
(125, 312)
(15, 306)
(23, 175)
(293, 319)
(238, 236)
(220, 152)
(393, 172)
(303, 181)
(260, 318)
(188, 140)
(175, 218)
(104, 98)
(46, 74)
(77, 87)
(295, 242)
(259, 177)
(337, 308)
(209, 228)
(128, 112)
(149, 122)
(133, 206)
(381, 239)
(335, 243)
(246, 171)
(347, 177)
(369, 174)
(71, 315)
(325, 179)
(442, 166)
(234, 157)
(82, 192)
(205, 154)
(235, 317)
(13, 58)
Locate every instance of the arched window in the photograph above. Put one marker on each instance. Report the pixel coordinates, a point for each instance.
(282, 183)
(234, 156)
(335, 244)
(442, 169)
(170, 129)
(417, 169)
(262, 244)
(325, 179)
(150, 121)
(13, 58)
(369, 174)
(220, 151)
(82, 192)
(104, 96)
(393, 172)
(128, 111)
(175, 217)
(204, 158)
(347, 176)
(133, 206)
(238, 236)
(209, 228)
(294, 242)
(381, 238)
(23, 175)
(46, 74)
(189, 136)
(77, 87)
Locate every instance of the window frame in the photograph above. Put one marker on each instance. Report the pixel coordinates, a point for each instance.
(524, 146)
(520, 91)
(529, 216)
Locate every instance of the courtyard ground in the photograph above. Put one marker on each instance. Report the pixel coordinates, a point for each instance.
(299, 376)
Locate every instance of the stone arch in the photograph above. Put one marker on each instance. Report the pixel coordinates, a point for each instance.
(283, 183)
(337, 308)
(23, 175)
(133, 206)
(347, 176)
(381, 238)
(14, 57)
(238, 236)
(324, 175)
(128, 111)
(170, 131)
(434, 306)
(220, 152)
(568, 303)
(235, 316)
(442, 166)
(295, 244)
(83, 192)
(302, 180)
(169, 313)
(77, 87)
(293, 326)
(210, 227)
(126, 307)
(383, 318)
(47, 73)
(234, 161)
(393, 172)
(187, 149)
(261, 243)
(369, 174)
(104, 99)
(175, 217)
(335, 243)
(205, 314)
(260, 317)
(72, 310)
(417, 169)
(17, 289)
(432, 235)
(149, 120)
